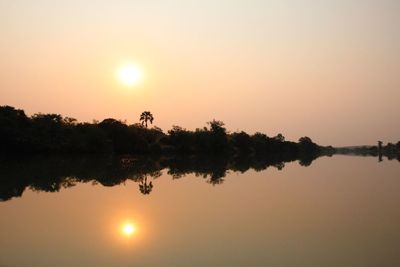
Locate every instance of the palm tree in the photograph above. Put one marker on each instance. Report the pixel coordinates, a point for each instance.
(145, 117)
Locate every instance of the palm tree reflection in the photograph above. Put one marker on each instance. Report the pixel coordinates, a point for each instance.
(144, 187)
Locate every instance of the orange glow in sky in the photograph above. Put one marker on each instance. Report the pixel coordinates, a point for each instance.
(324, 69)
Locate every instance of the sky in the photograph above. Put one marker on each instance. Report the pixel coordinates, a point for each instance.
(325, 69)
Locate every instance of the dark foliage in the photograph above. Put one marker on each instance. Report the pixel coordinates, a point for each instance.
(52, 173)
(52, 133)
(207, 152)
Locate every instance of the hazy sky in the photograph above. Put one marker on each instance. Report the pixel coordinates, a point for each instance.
(326, 69)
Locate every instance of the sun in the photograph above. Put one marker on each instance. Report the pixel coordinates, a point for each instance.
(128, 229)
(130, 74)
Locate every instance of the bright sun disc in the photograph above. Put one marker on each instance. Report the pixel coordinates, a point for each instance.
(130, 74)
(128, 229)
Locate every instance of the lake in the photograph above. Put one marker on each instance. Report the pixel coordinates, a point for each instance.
(339, 211)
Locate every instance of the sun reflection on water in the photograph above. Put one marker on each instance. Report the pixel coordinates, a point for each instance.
(128, 229)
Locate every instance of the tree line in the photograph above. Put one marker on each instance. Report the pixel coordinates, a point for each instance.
(53, 133)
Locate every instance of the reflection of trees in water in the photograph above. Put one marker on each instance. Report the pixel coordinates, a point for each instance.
(54, 173)
(144, 187)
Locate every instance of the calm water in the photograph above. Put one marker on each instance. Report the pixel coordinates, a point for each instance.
(340, 211)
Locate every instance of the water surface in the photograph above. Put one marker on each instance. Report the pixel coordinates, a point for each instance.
(339, 211)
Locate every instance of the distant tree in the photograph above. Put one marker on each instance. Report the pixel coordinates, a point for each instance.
(14, 130)
(49, 119)
(216, 139)
(112, 125)
(157, 129)
(305, 140)
(279, 137)
(217, 126)
(12, 113)
(307, 145)
(70, 121)
(176, 129)
(145, 117)
(241, 141)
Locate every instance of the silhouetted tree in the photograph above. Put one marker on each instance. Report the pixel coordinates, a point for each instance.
(181, 139)
(279, 137)
(218, 141)
(306, 144)
(14, 130)
(52, 133)
(217, 126)
(241, 141)
(145, 117)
